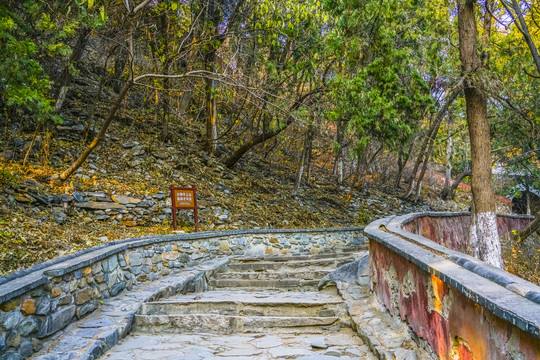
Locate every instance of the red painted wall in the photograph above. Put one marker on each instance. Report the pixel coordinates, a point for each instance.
(455, 326)
(453, 231)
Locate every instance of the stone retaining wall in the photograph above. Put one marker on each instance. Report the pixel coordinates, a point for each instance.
(458, 305)
(38, 302)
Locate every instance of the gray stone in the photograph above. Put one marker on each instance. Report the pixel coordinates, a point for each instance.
(87, 333)
(86, 308)
(11, 355)
(96, 323)
(57, 321)
(129, 144)
(112, 263)
(13, 339)
(43, 305)
(319, 344)
(2, 343)
(349, 273)
(28, 326)
(64, 300)
(26, 349)
(59, 216)
(109, 337)
(99, 205)
(12, 320)
(333, 353)
(135, 259)
(78, 196)
(70, 343)
(402, 354)
(115, 289)
(102, 217)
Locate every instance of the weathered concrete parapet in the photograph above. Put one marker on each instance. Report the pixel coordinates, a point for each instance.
(36, 303)
(460, 306)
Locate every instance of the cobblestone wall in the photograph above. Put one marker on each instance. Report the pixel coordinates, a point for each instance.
(38, 302)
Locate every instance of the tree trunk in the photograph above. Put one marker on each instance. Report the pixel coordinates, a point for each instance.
(524, 29)
(458, 181)
(119, 66)
(338, 161)
(255, 140)
(66, 76)
(299, 173)
(427, 146)
(485, 226)
(448, 161)
(211, 116)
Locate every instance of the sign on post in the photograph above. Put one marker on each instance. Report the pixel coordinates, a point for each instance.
(184, 198)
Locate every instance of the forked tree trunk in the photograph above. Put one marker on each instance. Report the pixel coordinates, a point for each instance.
(485, 224)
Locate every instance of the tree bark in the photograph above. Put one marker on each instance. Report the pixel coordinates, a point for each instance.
(299, 173)
(485, 226)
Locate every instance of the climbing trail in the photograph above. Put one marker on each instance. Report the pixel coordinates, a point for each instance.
(261, 308)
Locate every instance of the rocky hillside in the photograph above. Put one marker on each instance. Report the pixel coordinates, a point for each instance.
(122, 190)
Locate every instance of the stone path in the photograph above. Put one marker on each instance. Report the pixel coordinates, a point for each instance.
(262, 308)
(341, 343)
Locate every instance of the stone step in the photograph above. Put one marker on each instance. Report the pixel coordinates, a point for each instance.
(288, 284)
(227, 324)
(329, 255)
(273, 275)
(319, 264)
(263, 307)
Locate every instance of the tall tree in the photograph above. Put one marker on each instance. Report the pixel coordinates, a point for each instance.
(483, 233)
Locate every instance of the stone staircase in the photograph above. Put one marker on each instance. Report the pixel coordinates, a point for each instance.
(251, 295)
(270, 308)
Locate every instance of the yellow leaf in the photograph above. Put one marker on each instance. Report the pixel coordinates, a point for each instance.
(90, 4)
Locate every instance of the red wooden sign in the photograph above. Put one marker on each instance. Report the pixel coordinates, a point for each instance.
(184, 198)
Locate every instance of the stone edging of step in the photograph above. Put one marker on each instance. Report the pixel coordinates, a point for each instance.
(147, 240)
(20, 282)
(371, 322)
(113, 321)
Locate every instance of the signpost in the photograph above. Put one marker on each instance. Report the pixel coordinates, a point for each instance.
(184, 198)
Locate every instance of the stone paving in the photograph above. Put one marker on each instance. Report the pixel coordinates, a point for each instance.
(340, 343)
